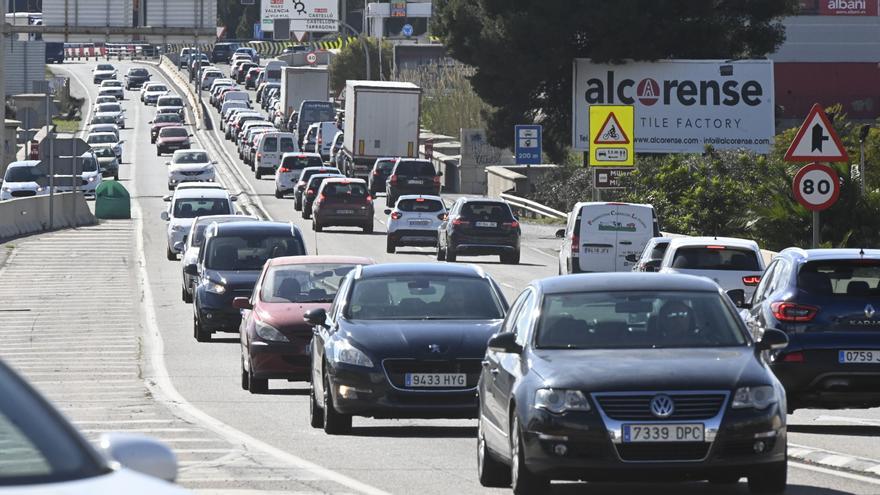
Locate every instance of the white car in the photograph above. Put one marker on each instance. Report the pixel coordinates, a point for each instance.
(414, 221)
(102, 72)
(114, 86)
(95, 128)
(170, 103)
(23, 179)
(111, 109)
(189, 203)
(268, 152)
(290, 168)
(190, 166)
(209, 77)
(152, 91)
(732, 263)
(249, 52)
(90, 178)
(106, 98)
(108, 139)
(193, 245)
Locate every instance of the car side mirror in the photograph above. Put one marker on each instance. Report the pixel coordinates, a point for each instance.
(738, 296)
(166, 198)
(440, 174)
(242, 303)
(631, 258)
(140, 453)
(387, 211)
(120, 142)
(772, 339)
(167, 163)
(560, 234)
(505, 342)
(178, 246)
(213, 162)
(191, 269)
(233, 198)
(164, 216)
(149, 121)
(316, 317)
(652, 265)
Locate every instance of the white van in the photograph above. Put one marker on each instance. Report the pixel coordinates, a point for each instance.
(599, 236)
(268, 154)
(273, 71)
(324, 141)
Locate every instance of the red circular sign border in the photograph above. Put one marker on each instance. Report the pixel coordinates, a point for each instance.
(312, 54)
(797, 190)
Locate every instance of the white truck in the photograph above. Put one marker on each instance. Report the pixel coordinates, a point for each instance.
(303, 83)
(381, 120)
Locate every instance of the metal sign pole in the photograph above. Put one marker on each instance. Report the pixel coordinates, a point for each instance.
(49, 136)
(816, 225)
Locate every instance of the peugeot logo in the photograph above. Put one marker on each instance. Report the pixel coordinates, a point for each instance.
(869, 311)
(662, 406)
(434, 348)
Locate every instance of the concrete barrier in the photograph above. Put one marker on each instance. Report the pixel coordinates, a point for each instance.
(23, 216)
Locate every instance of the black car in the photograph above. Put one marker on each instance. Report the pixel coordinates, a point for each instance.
(54, 52)
(222, 52)
(411, 176)
(379, 176)
(304, 177)
(828, 302)
(311, 192)
(623, 377)
(479, 227)
(136, 77)
(229, 264)
(402, 341)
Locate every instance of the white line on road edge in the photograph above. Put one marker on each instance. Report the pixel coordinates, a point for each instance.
(833, 472)
(159, 382)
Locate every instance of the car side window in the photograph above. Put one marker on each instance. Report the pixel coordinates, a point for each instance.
(509, 323)
(766, 280)
(780, 277)
(338, 302)
(524, 319)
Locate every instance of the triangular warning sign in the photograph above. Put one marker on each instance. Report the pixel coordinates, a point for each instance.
(816, 140)
(611, 132)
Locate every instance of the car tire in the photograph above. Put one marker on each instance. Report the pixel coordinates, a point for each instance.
(335, 423)
(523, 481)
(171, 255)
(316, 414)
(770, 479)
(257, 385)
(244, 377)
(279, 194)
(199, 334)
(297, 204)
(158, 152)
(116, 176)
(368, 228)
(306, 214)
(510, 259)
(491, 472)
(389, 246)
(185, 295)
(258, 173)
(441, 254)
(450, 254)
(317, 227)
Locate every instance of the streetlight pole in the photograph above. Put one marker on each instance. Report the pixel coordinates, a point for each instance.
(363, 40)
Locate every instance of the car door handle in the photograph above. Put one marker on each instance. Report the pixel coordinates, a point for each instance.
(485, 363)
(494, 371)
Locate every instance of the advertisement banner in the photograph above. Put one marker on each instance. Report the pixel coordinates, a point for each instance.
(317, 16)
(398, 8)
(839, 7)
(681, 106)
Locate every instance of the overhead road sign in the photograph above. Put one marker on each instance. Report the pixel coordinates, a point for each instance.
(528, 144)
(816, 140)
(816, 187)
(314, 16)
(612, 136)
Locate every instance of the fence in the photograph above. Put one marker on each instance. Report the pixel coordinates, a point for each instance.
(518, 203)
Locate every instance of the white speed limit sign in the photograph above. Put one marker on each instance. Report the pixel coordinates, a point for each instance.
(816, 187)
(312, 58)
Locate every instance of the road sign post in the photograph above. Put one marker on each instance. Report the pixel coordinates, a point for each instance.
(816, 187)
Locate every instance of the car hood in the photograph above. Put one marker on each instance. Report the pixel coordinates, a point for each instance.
(122, 480)
(182, 222)
(287, 316)
(415, 338)
(191, 167)
(235, 279)
(21, 186)
(649, 369)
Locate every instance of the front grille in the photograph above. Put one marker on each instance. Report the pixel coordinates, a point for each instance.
(663, 451)
(84, 182)
(191, 174)
(23, 194)
(638, 407)
(398, 368)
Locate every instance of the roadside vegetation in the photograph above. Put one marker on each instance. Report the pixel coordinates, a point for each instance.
(449, 102)
(349, 63)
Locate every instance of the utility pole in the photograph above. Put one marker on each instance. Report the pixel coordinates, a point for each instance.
(3, 60)
(863, 136)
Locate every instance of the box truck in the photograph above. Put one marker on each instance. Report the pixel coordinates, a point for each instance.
(303, 83)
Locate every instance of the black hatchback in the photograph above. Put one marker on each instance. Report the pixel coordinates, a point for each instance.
(411, 176)
(626, 377)
(479, 227)
(828, 302)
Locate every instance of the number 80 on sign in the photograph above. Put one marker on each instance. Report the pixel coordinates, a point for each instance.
(816, 187)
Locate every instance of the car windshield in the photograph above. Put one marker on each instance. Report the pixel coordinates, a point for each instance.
(309, 283)
(37, 447)
(105, 67)
(317, 112)
(415, 168)
(173, 132)
(158, 87)
(424, 297)
(106, 99)
(420, 205)
(842, 278)
(167, 117)
(474, 210)
(636, 320)
(344, 190)
(101, 138)
(715, 258)
(112, 84)
(89, 164)
(200, 207)
(170, 102)
(137, 72)
(103, 119)
(190, 157)
(109, 108)
(23, 174)
(104, 152)
(249, 252)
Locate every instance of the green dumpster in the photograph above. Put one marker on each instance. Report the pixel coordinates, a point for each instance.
(112, 200)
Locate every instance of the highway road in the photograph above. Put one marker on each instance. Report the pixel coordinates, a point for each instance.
(405, 456)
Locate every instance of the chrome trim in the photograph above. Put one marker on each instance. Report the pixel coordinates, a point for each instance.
(429, 390)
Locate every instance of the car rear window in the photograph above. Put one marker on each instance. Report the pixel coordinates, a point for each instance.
(170, 102)
(249, 252)
(411, 168)
(855, 278)
(424, 297)
(342, 189)
(270, 144)
(486, 211)
(299, 163)
(273, 74)
(715, 258)
(200, 207)
(420, 205)
(385, 166)
(167, 117)
(287, 145)
(173, 132)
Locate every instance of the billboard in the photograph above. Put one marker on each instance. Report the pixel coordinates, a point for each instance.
(316, 16)
(839, 7)
(681, 105)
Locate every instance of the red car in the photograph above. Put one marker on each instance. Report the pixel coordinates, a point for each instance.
(275, 339)
(172, 138)
(163, 120)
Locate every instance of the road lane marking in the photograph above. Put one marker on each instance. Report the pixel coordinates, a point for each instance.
(833, 472)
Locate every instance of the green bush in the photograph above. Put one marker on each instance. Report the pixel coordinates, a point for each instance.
(350, 64)
(449, 103)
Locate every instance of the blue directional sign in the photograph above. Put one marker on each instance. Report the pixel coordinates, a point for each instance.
(407, 30)
(528, 144)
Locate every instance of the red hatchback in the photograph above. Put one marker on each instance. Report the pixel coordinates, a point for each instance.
(275, 339)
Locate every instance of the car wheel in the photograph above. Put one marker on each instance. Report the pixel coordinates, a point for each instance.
(316, 414)
(317, 227)
(368, 229)
(334, 422)
(198, 333)
(306, 214)
(244, 377)
(158, 152)
(185, 295)
(450, 254)
(258, 173)
(522, 480)
(257, 385)
(510, 259)
(171, 255)
(441, 254)
(116, 176)
(772, 479)
(491, 472)
(279, 194)
(297, 204)
(389, 246)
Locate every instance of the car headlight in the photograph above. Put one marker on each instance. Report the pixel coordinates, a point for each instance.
(40, 189)
(215, 287)
(92, 179)
(270, 333)
(7, 189)
(756, 397)
(559, 401)
(344, 352)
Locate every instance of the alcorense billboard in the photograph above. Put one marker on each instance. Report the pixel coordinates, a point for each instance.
(681, 105)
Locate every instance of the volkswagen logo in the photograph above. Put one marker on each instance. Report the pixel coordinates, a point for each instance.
(434, 349)
(869, 311)
(662, 406)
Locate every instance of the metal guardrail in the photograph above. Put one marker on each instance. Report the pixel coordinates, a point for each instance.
(528, 205)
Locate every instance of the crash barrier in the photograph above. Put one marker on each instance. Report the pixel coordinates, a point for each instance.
(273, 48)
(168, 66)
(23, 216)
(518, 203)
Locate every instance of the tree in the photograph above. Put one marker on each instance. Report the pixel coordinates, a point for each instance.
(238, 19)
(523, 49)
(349, 64)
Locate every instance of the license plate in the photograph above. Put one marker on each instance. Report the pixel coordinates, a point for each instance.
(345, 212)
(419, 222)
(436, 380)
(663, 433)
(859, 356)
(416, 181)
(486, 224)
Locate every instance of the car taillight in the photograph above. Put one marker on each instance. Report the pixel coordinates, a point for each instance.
(790, 312)
(310, 192)
(513, 225)
(395, 215)
(369, 199)
(321, 198)
(283, 170)
(459, 221)
(575, 246)
(375, 173)
(794, 357)
(259, 156)
(393, 179)
(752, 280)
(436, 180)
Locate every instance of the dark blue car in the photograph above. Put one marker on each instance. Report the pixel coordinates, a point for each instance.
(828, 302)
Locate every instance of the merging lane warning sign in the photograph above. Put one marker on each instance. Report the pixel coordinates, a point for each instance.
(816, 140)
(611, 135)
